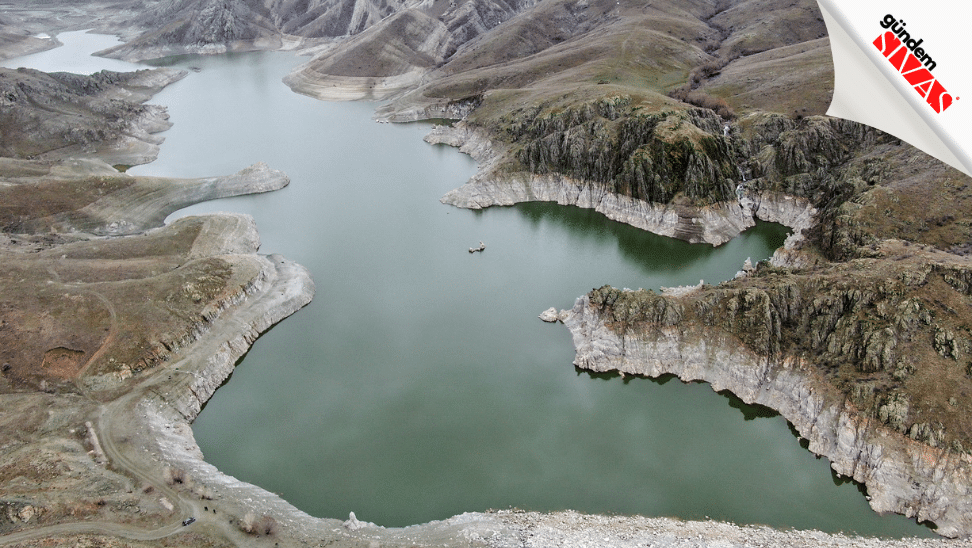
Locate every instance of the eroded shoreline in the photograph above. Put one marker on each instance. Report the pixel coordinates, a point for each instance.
(714, 225)
(902, 476)
(276, 292)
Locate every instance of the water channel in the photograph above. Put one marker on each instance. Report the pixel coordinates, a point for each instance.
(419, 383)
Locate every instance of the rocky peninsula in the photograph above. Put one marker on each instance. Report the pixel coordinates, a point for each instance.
(741, 137)
(115, 330)
(850, 375)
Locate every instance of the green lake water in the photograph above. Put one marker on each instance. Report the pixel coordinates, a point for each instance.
(419, 383)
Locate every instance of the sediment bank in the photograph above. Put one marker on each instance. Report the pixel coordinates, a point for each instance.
(351, 88)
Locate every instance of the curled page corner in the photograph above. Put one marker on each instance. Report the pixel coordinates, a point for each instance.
(879, 81)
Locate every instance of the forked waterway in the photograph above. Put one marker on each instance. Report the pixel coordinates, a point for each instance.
(419, 383)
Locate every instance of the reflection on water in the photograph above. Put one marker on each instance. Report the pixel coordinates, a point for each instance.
(749, 411)
(420, 384)
(652, 254)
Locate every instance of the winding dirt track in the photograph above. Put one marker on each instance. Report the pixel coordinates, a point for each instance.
(122, 426)
(110, 416)
(112, 331)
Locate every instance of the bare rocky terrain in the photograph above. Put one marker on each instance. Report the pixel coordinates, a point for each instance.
(688, 118)
(65, 115)
(99, 303)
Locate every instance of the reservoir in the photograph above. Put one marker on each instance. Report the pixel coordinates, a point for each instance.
(419, 383)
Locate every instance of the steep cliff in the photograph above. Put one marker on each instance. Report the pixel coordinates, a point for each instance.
(691, 156)
(662, 171)
(868, 361)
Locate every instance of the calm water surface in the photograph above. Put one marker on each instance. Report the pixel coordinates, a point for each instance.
(419, 383)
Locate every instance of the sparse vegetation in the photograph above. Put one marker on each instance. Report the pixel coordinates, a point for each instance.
(41, 113)
(704, 100)
(596, 91)
(890, 333)
(253, 525)
(689, 92)
(83, 317)
(176, 476)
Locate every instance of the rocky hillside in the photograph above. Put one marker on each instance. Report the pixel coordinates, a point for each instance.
(862, 360)
(395, 54)
(101, 115)
(689, 111)
(690, 155)
(617, 94)
(101, 305)
(213, 26)
(697, 110)
(890, 331)
(16, 41)
(591, 49)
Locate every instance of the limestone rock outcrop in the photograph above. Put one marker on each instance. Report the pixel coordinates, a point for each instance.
(714, 223)
(857, 356)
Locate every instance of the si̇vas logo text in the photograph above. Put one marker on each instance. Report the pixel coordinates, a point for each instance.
(913, 63)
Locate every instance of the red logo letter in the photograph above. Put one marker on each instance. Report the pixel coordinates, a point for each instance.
(938, 98)
(887, 43)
